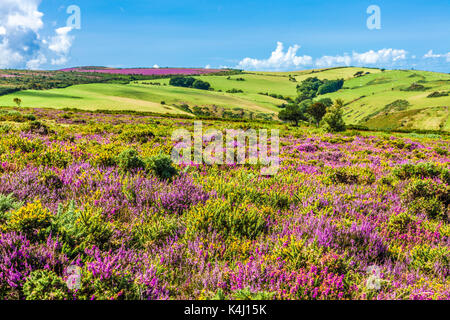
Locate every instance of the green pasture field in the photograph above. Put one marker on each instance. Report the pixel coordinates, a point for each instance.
(367, 98)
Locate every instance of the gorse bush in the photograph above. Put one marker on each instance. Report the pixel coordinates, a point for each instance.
(431, 259)
(422, 170)
(129, 160)
(162, 166)
(30, 219)
(351, 175)
(37, 127)
(157, 229)
(428, 197)
(228, 219)
(139, 135)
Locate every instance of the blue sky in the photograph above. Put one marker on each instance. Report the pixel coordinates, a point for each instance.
(216, 33)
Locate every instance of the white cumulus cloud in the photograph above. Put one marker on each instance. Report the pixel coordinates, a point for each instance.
(279, 60)
(380, 56)
(21, 44)
(331, 61)
(284, 60)
(431, 55)
(62, 41)
(371, 57)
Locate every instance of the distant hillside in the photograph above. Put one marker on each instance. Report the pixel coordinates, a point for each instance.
(377, 99)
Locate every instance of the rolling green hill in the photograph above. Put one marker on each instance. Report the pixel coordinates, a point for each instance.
(391, 99)
(397, 99)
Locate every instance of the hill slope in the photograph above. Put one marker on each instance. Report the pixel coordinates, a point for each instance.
(378, 99)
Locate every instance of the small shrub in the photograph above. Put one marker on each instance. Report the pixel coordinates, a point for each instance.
(7, 203)
(65, 224)
(425, 257)
(94, 228)
(129, 160)
(428, 197)
(140, 136)
(441, 151)
(400, 222)
(420, 170)
(162, 166)
(30, 219)
(352, 175)
(156, 230)
(228, 219)
(438, 94)
(37, 127)
(45, 285)
(433, 208)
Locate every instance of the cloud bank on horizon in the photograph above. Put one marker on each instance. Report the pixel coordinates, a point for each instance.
(281, 60)
(21, 42)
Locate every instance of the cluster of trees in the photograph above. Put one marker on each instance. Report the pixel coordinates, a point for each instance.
(189, 82)
(237, 79)
(360, 74)
(312, 87)
(322, 112)
(234, 90)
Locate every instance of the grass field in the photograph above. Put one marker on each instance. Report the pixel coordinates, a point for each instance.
(137, 97)
(368, 96)
(371, 100)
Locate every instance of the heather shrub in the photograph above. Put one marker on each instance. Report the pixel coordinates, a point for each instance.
(162, 166)
(45, 285)
(129, 160)
(228, 219)
(51, 180)
(15, 266)
(106, 285)
(19, 257)
(183, 195)
(108, 275)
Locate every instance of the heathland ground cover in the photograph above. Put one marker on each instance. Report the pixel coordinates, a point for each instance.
(91, 208)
